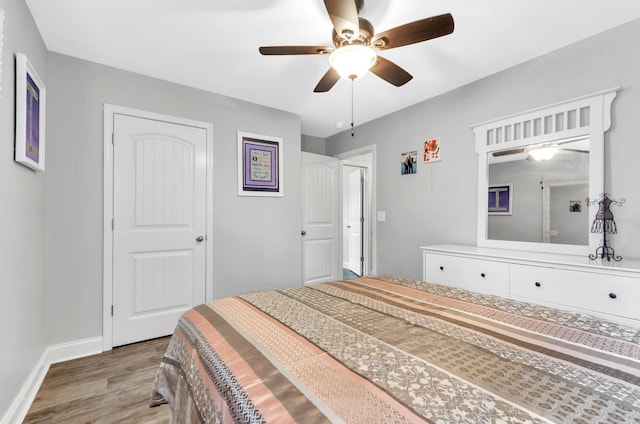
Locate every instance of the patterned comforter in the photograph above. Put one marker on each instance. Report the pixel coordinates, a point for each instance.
(396, 351)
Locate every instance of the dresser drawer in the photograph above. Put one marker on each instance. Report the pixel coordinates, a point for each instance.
(609, 294)
(472, 274)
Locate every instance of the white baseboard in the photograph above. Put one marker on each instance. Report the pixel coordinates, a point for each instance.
(51, 355)
(72, 350)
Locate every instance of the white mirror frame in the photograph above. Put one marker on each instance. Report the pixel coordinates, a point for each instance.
(586, 116)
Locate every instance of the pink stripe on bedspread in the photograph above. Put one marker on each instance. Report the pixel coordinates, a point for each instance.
(253, 384)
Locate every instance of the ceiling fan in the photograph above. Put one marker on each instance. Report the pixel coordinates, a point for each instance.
(541, 152)
(355, 41)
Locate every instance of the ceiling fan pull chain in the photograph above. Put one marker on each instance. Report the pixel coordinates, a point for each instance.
(352, 129)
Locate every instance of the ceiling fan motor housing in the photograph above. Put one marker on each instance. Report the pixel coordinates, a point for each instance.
(364, 37)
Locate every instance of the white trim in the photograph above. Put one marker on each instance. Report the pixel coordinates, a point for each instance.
(372, 205)
(107, 268)
(52, 355)
(491, 122)
(73, 350)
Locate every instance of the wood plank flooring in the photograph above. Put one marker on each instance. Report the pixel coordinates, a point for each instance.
(112, 387)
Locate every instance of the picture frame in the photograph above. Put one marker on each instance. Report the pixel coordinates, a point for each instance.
(500, 199)
(575, 206)
(260, 165)
(31, 96)
(409, 162)
(432, 150)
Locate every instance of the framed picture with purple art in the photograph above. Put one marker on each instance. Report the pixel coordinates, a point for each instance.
(259, 165)
(30, 115)
(500, 199)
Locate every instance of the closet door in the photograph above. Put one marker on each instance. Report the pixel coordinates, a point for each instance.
(321, 252)
(159, 247)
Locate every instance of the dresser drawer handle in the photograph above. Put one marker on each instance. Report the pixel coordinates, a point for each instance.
(441, 268)
(483, 275)
(538, 284)
(613, 295)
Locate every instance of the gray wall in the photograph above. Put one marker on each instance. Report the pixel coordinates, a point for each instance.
(569, 225)
(438, 204)
(22, 228)
(311, 144)
(255, 241)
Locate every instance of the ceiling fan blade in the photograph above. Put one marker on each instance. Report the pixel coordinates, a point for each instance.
(344, 16)
(575, 150)
(286, 50)
(328, 80)
(391, 72)
(509, 152)
(414, 32)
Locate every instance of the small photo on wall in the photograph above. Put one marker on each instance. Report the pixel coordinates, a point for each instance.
(575, 206)
(432, 150)
(409, 163)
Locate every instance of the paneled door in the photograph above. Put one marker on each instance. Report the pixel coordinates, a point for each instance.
(159, 239)
(321, 253)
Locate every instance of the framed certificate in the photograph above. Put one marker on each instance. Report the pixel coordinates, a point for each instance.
(500, 199)
(259, 165)
(30, 115)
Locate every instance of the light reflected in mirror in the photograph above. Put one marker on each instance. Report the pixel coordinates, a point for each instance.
(547, 197)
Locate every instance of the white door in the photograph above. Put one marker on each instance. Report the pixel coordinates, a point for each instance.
(355, 219)
(159, 225)
(320, 218)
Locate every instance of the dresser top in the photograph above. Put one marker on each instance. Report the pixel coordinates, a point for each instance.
(630, 266)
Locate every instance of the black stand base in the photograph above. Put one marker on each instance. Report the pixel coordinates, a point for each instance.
(607, 252)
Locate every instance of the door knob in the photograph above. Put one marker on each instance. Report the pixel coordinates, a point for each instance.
(303, 232)
(199, 239)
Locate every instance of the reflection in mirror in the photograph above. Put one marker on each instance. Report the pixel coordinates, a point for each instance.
(547, 196)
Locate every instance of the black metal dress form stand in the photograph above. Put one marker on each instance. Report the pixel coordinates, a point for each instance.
(605, 224)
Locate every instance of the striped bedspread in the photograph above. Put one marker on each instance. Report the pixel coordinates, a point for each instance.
(396, 351)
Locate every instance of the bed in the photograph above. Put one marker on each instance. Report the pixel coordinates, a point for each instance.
(390, 350)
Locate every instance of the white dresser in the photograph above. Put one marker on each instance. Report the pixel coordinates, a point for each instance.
(610, 290)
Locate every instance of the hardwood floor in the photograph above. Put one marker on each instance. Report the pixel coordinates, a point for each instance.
(112, 387)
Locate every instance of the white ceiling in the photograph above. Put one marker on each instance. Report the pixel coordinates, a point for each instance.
(213, 45)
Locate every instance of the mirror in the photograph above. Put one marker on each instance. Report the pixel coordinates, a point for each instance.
(547, 197)
(531, 205)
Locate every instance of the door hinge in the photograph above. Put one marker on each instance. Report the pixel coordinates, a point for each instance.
(113, 224)
(111, 310)
(113, 138)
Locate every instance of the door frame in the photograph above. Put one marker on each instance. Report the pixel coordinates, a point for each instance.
(370, 252)
(107, 216)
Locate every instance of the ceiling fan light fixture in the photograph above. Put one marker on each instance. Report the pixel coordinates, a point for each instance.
(353, 60)
(543, 153)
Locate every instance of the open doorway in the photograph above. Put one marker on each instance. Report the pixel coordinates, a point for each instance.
(358, 204)
(353, 199)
